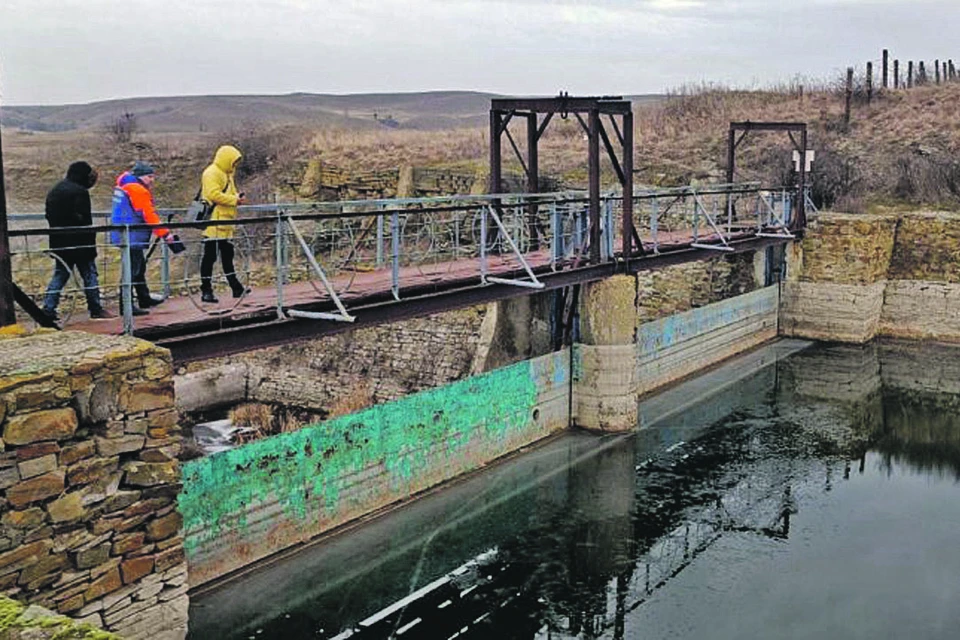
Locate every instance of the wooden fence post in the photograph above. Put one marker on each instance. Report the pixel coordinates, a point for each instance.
(936, 69)
(869, 82)
(846, 112)
(910, 75)
(886, 68)
(896, 74)
(922, 74)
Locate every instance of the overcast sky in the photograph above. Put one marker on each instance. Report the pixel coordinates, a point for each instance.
(68, 51)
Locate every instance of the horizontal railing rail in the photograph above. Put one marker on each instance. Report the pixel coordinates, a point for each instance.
(305, 252)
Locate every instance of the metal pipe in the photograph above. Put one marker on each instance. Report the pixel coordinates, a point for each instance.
(380, 239)
(126, 284)
(279, 258)
(395, 254)
(483, 245)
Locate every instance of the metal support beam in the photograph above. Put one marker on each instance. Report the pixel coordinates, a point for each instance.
(593, 161)
(533, 178)
(496, 159)
(543, 125)
(610, 152)
(801, 222)
(629, 233)
(8, 314)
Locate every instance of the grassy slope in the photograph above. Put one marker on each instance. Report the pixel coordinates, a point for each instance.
(900, 149)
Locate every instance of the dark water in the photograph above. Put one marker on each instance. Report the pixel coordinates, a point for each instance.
(813, 494)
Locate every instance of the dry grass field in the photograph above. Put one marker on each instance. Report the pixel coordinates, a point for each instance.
(900, 150)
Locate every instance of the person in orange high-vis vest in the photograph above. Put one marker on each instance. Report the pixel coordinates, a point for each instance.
(133, 205)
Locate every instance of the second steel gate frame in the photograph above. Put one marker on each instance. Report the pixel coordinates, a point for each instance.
(799, 222)
(503, 110)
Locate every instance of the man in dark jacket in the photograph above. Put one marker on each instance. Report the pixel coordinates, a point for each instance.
(68, 205)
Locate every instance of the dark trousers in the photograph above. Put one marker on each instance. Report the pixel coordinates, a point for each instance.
(211, 249)
(138, 272)
(61, 275)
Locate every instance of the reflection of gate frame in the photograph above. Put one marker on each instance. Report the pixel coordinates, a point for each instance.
(502, 111)
(744, 128)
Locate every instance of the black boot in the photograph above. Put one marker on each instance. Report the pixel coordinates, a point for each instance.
(137, 310)
(237, 288)
(144, 298)
(206, 290)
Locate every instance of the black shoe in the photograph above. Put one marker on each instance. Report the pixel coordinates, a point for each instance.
(242, 291)
(207, 296)
(139, 311)
(52, 315)
(101, 314)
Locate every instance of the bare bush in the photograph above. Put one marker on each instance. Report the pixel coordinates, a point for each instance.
(123, 128)
(836, 179)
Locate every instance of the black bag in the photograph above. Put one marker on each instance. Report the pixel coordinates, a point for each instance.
(199, 210)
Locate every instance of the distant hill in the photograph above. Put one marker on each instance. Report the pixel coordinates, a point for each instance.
(424, 111)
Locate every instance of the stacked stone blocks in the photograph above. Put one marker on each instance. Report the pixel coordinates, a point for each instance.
(88, 482)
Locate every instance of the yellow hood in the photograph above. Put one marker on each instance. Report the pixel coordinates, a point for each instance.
(227, 158)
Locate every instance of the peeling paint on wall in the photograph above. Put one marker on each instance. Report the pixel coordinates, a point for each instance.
(668, 332)
(325, 474)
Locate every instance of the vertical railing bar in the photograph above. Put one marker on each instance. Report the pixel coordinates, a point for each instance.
(483, 245)
(556, 242)
(395, 254)
(279, 257)
(380, 237)
(126, 284)
(165, 270)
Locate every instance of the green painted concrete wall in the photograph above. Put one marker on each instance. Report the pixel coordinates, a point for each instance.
(242, 505)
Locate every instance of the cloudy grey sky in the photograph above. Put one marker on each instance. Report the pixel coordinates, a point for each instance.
(59, 51)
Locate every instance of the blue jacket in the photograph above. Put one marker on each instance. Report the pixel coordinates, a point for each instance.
(127, 190)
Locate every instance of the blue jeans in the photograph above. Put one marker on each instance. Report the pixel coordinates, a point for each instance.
(61, 275)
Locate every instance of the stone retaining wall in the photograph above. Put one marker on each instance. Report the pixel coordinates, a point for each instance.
(88, 482)
(856, 277)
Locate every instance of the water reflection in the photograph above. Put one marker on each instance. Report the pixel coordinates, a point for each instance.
(583, 538)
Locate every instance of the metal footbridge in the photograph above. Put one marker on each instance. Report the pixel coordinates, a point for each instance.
(319, 268)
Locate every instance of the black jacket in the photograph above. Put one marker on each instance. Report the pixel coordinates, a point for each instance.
(68, 205)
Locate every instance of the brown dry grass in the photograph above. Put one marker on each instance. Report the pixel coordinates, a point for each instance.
(355, 398)
(899, 149)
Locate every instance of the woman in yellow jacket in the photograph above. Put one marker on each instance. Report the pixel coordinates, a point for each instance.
(218, 188)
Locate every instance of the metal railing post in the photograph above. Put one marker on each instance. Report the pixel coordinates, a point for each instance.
(281, 266)
(556, 242)
(483, 245)
(165, 270)
(655, 224)
(380, 237)
(126, 284)
(608, 230)
(696, 218)
(395, 254)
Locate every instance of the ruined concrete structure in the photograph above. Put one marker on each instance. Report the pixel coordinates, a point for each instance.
(323, 181)
(89, 479)
(857, 277)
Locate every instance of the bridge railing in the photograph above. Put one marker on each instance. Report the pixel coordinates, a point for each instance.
(324, 251)
(294, 254)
